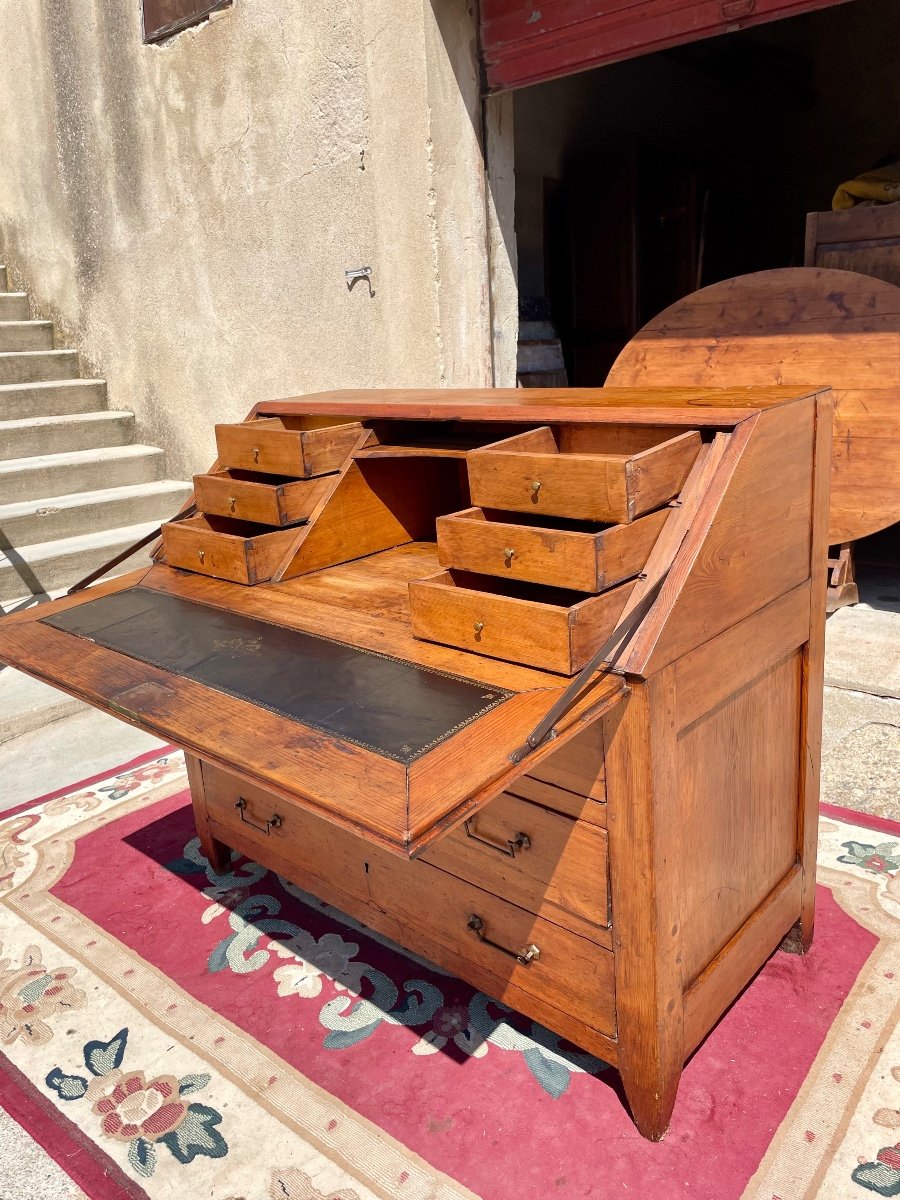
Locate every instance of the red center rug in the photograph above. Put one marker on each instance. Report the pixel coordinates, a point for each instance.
(166, 1032)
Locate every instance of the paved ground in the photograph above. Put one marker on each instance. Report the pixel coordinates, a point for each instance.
(860, 770)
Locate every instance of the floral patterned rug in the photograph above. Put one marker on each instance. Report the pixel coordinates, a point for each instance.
(166, 1032)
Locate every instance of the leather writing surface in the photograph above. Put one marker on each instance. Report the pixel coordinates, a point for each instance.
(391, 707)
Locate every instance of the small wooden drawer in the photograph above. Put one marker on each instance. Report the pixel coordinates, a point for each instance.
(550, 628)
(226, 549)
(584, 472)
(566, 554)
(294, 446)
(551, 865)
(462, 926)
(265, 499)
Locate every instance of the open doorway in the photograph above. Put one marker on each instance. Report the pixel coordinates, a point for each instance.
(640, 181)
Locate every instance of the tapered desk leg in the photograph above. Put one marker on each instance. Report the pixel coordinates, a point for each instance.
(643, 851)
(218, 854)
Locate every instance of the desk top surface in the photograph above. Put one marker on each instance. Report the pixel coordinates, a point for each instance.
(694, 407)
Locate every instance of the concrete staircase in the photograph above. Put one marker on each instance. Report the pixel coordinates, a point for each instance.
(74, 488)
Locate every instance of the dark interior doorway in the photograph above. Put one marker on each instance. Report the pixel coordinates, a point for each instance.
(640, 181)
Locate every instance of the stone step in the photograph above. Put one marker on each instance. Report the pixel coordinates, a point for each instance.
(27, 704)
(26, 335)
(58, 435)
(19, 401)
(36, 366)
(58, 564)
(78, 471)
(31, 522)
(13, 306)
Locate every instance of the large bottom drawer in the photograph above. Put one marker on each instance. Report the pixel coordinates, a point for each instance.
(499, 946)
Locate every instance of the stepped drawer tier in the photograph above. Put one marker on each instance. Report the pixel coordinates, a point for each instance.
(440, 912)
(265, 499)
(226, 549)
(295, 446)
(551, 865)
(551, 628)
(554, 551)
(588, 473)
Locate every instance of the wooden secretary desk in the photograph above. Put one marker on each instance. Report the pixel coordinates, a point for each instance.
(375, 635)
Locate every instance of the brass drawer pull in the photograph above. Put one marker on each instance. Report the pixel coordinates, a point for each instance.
(255, 452)
(232, 501)
(201, 554)
(273, 822)
(509, 554)
(520, 842)
(478, 627)
(524, 957)
(535, 490)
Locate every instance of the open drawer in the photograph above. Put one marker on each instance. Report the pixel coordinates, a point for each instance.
(555, 551)
(226, 549)
(295, 446)
(265, 499)
(586, 472)
(551, 628)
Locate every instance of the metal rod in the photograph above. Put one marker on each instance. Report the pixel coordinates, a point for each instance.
(127, 553)
(617, 641)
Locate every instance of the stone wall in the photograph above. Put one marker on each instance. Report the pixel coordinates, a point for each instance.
(186, 211)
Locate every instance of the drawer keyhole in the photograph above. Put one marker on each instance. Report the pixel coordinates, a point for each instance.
(524, 957)
(519, 843)
(273, 822)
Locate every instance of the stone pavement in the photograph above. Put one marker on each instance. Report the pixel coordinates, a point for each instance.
(861, 728)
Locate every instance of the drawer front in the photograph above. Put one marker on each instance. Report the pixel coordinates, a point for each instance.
(500, 622)
(269, 448)
(206, 551)
(556, 557)
(583, 487)
(550, 864)
(284, 829)
(569, 558)
(485, 623)
(568, 972)
(257, 501)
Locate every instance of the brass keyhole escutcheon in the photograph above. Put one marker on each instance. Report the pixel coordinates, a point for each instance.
(509, 554)
(255, 453)
(231, 503)
(201, 554)
(535, 490)
(478, 626)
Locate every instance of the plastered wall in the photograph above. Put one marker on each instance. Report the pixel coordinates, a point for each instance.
(186, 211)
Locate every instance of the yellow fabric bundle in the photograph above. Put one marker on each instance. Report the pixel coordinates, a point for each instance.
(881, 186)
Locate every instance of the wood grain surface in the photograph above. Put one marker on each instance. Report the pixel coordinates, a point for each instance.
(802, 326)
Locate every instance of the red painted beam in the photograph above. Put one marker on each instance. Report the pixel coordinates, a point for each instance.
(530, 41)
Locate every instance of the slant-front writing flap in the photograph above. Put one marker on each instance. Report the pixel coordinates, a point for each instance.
(393, 751)
(391, 708)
